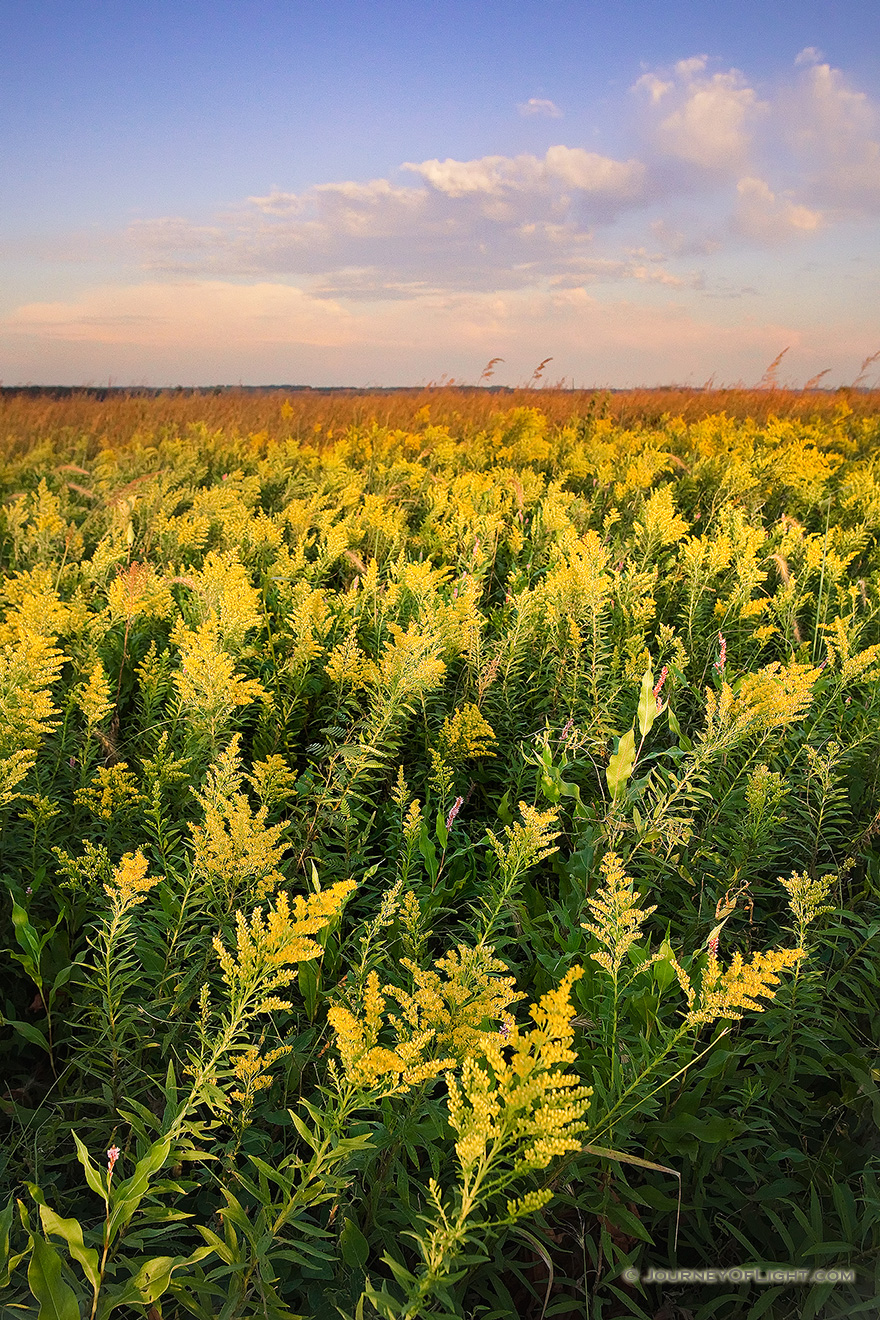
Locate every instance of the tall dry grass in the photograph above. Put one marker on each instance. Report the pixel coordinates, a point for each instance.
(112, 417)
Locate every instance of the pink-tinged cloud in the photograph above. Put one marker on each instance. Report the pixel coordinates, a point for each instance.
(573, 167)
(206, 312)
(265, 333)
(762, 215)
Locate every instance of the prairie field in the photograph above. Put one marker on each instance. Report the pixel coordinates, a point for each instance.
(438, 852)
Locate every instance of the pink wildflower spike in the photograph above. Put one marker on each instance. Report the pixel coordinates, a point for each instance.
(112, 1156)
(722, 655)
(713, 947)
(455, 809)
(658, 686)
(566, 731)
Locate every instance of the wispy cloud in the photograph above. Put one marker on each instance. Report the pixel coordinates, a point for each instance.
(717, 162)
(209, 312)
(537, 106)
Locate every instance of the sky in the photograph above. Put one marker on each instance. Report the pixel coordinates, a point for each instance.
(323, 192)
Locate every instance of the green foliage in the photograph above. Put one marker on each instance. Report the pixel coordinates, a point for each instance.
(440, 870)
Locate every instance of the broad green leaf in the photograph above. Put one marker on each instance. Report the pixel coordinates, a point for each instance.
(93, 1175)
(441, 830)
(5, 1226)
(26, 935)
(57, 1300)
(29, 1032)
(309, 976)
(71, 1231)
(647, 703)
(354, 1246)
(127, 1196)
(150, 1283)
(620, 766)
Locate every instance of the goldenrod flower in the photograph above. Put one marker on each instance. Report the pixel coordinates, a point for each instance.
(268, 946)
(130, 884)
(618, 919)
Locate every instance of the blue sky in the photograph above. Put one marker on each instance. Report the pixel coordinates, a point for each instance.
(336, 193)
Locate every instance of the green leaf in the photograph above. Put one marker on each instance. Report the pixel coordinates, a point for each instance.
(26, 935)
(5, 1226)
(505, 815)
(620, 766)
(354, 1246)
(57, 1300)
(8, 1263)
(128, 1195)
(29, 1032)
(647, 703)
(441, 830)
(151, 1282)
(93, 1175)
(309, 976)
(429, 852)
(71, 1231)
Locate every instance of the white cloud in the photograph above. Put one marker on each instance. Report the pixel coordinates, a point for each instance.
(475, 247)
(499, 175)
(536, 106)
(834, 130)
(489, 222)
(707, 119)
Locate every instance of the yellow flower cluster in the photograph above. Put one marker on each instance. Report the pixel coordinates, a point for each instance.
(308, 620)
(348, 667)
(660, 525)
(250, 1070)
(807, 897)
(764, 791)
(618, 919)
(267, 947)
(130, 884)
(33, 606)
(461, 1000)
(770, 699)
(410, 665)
(235, 853)
(515, 1098)
(28, 668)
(272, 779)
(226, 598)
(579, 584)
(526, 844)
(464, 736)
(138, 591)
(367, 1064)
(207, 685)
(113, 789)
(93, 697)
(726, 993)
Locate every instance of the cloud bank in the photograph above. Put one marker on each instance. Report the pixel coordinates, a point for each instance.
(445, 253)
